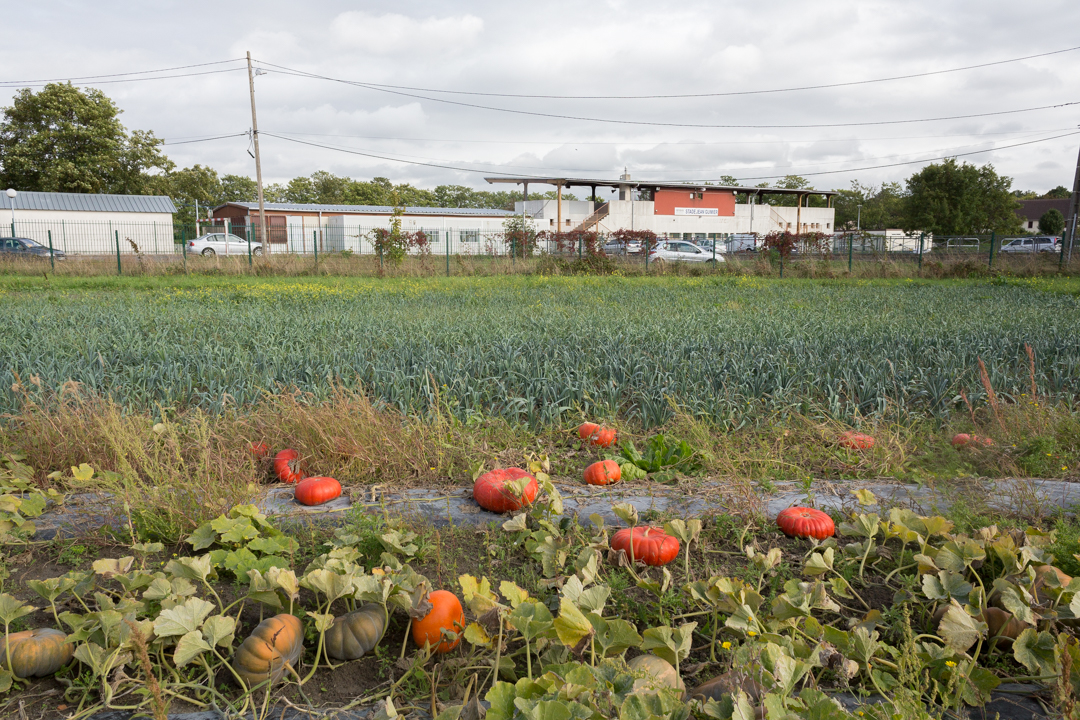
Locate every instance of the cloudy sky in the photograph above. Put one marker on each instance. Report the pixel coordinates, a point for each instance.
(444, 59)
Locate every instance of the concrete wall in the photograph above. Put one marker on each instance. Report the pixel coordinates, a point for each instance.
(95, 233)
(640, 215)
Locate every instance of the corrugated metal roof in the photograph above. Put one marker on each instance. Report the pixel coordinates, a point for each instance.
(87, 202)
(370, 209)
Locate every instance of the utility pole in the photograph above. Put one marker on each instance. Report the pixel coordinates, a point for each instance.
(1074, 212)
(263, 235)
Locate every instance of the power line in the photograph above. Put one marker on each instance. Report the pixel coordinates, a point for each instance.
(613, 121)
(205, 139)
(720, 94)
(113, 75)
(764, 177)
(657, 143)
(125, 80)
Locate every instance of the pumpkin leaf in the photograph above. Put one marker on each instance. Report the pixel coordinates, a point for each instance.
(478, 594)
(12, 609)
(865, 497)
(219, 630)
(626, 512)
(819, 563)
(1036, 651)
(571, 626)
(591, 600)
(183, 618)
(189, 647)
(82, 473)
(516, 523)
(234, 530)
(274, 545)
(477, 635)
(958, 629)
(514, 594)
(192, 568)
(203, 537)
(945, 586)
(111, 567)
(614, 636)
(323, 621)
(671, 644)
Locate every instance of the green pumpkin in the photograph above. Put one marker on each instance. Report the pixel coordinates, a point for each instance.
(36, 653)
(357, 633)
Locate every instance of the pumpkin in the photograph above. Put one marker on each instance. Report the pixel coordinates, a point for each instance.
(357, 633)
(658, 674)
(596, 434)
(586, 430)
(856, 441)
(445, 614)
(603, 472)
(963, 440)
(317, 490)
(37, 653)
(727, 684)
(492, 492)
(276, 642)
(1003, 626)
(287, 466)
(652, 546)
(259, 449)
(805, 522)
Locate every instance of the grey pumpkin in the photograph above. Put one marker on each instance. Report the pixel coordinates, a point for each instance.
(355, 634)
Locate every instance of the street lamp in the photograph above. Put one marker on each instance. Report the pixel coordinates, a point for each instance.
(11, 194)
(858, 220)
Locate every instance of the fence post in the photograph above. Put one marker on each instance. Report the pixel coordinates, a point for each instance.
(850, 251)
(52, 260)
(315, 244)
(648, 247)
(991, 265)
(249, 246)
(119, 271)
(183, 246)
(448, 252)
(922, 236)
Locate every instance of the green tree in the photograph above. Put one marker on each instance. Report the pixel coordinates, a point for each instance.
(882, 207)
(186, 186)
(951, 198)
(1052, 222)
(65, 139)
(1058, 193)
(238, 188)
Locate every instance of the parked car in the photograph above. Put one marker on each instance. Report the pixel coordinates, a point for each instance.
(222, 244)
(681, 251)
(1041, 244)
(25, 247)
(614, 247)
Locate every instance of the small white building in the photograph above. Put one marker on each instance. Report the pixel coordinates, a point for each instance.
(88, 224)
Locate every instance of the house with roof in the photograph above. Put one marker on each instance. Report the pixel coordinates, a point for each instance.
(89, 224)
(1031, 210)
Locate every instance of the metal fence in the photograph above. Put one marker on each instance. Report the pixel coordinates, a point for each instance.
(335, 236)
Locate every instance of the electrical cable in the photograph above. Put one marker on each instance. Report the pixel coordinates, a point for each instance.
(720, 94)
(205, 139)
(137, 72)
(126, 80)
(614, 121)
(764, 177)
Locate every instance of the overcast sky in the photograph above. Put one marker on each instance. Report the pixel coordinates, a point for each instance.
(608, 48)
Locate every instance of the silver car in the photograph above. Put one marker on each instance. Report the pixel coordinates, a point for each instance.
(222, 244)
(682, 251)
(1031, 245)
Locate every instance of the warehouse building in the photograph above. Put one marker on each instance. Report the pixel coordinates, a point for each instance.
(84, 223)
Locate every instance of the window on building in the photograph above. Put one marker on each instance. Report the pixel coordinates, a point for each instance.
(1031, 224)
(470, 236)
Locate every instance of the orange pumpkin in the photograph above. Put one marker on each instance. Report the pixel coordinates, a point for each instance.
(805, 522)
(596, 434)
(275, 643)
(652, 546)
(317, 490)
(259, 449)
(445, 614)
(493, 493)
(603, 472)
(586, 430)
(37, 653)
(287, 466)
(856, 441)
(963, 440)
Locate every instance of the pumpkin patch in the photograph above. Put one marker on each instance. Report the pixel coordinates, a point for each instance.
(287, 466)
(604, 472)
(505, 490)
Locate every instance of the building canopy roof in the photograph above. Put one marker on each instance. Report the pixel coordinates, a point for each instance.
(654, 185)
(367, 209)
(88, 202)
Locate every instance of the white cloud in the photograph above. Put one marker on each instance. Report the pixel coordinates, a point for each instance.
(393, 34)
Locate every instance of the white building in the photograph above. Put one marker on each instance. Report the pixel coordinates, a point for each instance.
(83, 223)
(682, 210)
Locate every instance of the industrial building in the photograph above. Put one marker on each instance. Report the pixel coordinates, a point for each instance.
(676, 210)
(85, 223)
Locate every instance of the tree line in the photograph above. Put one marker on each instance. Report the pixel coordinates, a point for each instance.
(67, 139)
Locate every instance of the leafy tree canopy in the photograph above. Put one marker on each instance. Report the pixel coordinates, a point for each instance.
(951, 198)
(1058, 193)
(882, 206)
(66, 139)
(1052, 222)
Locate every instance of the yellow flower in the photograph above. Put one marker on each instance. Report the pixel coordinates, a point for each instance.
(751, 633)
(950, 663)
(726, 645)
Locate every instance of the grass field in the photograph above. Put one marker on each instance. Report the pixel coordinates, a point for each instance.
(541, 351)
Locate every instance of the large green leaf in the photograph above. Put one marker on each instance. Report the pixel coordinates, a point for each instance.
(958, 629)
(189, 647)
(183, 618)
(571, 626)
(1037, 651)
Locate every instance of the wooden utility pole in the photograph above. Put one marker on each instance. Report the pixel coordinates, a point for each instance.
(263, 235)
(1074, 213)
